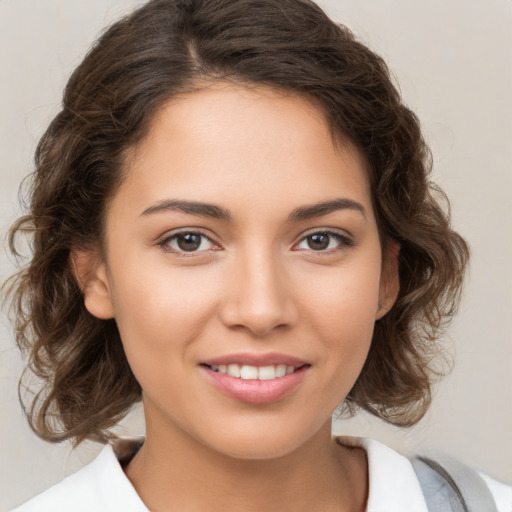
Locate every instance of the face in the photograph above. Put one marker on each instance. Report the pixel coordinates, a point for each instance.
(243, 269)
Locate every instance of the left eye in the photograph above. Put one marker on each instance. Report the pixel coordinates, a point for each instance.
(323, 241)
(188, 242)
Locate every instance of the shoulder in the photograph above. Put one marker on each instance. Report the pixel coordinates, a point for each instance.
(392, 481)
(394, 484)
(501, 492)
(99, 486)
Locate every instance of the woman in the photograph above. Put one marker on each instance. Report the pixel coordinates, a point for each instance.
(233, 222)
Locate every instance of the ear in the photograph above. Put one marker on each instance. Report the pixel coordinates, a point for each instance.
(91, 276)
(390, 279)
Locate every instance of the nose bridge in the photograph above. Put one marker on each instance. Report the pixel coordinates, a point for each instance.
(259, 296)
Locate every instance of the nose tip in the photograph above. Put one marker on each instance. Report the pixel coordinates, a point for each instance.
(258, 301)
(258, 322)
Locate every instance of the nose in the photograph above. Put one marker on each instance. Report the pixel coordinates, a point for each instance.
(258, 296)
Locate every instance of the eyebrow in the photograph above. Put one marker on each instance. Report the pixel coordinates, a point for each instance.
(325, 207)
(191, 207)
(216, 212)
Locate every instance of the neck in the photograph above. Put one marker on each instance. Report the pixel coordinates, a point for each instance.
(175, 472)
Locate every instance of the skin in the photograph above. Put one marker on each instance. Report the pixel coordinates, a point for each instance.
(255, 286)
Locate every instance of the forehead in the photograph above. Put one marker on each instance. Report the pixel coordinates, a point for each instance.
(230, 142)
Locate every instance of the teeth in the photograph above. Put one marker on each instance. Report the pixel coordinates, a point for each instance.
(281, 370)
(248, 372)
(267, 372)
(233, 370)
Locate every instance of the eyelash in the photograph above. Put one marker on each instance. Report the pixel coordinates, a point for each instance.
(344, 242)
(165, 243)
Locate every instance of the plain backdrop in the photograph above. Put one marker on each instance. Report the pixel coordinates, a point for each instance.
(453, 60)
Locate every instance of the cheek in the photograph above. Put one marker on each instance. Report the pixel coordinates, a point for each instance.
(345, 298)
(161, 311)
(340, 309)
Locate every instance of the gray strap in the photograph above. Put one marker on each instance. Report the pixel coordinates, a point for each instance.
(447, 482)
(438, 493)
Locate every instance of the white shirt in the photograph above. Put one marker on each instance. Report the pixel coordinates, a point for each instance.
(102, 486)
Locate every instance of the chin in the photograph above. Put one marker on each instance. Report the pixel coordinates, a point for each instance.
(244, 448)
(263, 442)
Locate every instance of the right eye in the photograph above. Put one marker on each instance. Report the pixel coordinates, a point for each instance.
(187, 242)
(324, 242)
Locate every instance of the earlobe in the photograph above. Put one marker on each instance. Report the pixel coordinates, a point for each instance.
(390, 280)
(91, 276)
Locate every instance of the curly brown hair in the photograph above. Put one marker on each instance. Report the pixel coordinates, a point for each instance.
(170, 47)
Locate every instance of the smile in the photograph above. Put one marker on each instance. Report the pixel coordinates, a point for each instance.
(248, 372)
(255, 379)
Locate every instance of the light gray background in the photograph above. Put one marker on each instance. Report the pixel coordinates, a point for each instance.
(453, 60)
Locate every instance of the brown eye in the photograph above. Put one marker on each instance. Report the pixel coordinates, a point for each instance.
(318, 241)
(324, 241)
(187, 241)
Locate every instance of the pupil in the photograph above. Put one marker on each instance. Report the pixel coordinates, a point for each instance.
(318, 241)
(189, 242)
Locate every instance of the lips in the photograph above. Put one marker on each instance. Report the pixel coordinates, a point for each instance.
(255, 378)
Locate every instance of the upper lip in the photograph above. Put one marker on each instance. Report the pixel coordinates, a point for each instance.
(250, 359)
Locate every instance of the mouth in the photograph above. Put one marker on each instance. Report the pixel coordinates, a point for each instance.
(250, 372)
(255, 379)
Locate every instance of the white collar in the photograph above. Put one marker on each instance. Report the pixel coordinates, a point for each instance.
(111, 485)
(102, 484)
(393, 485)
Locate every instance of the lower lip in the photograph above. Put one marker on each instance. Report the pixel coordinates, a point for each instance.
(256, 391)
